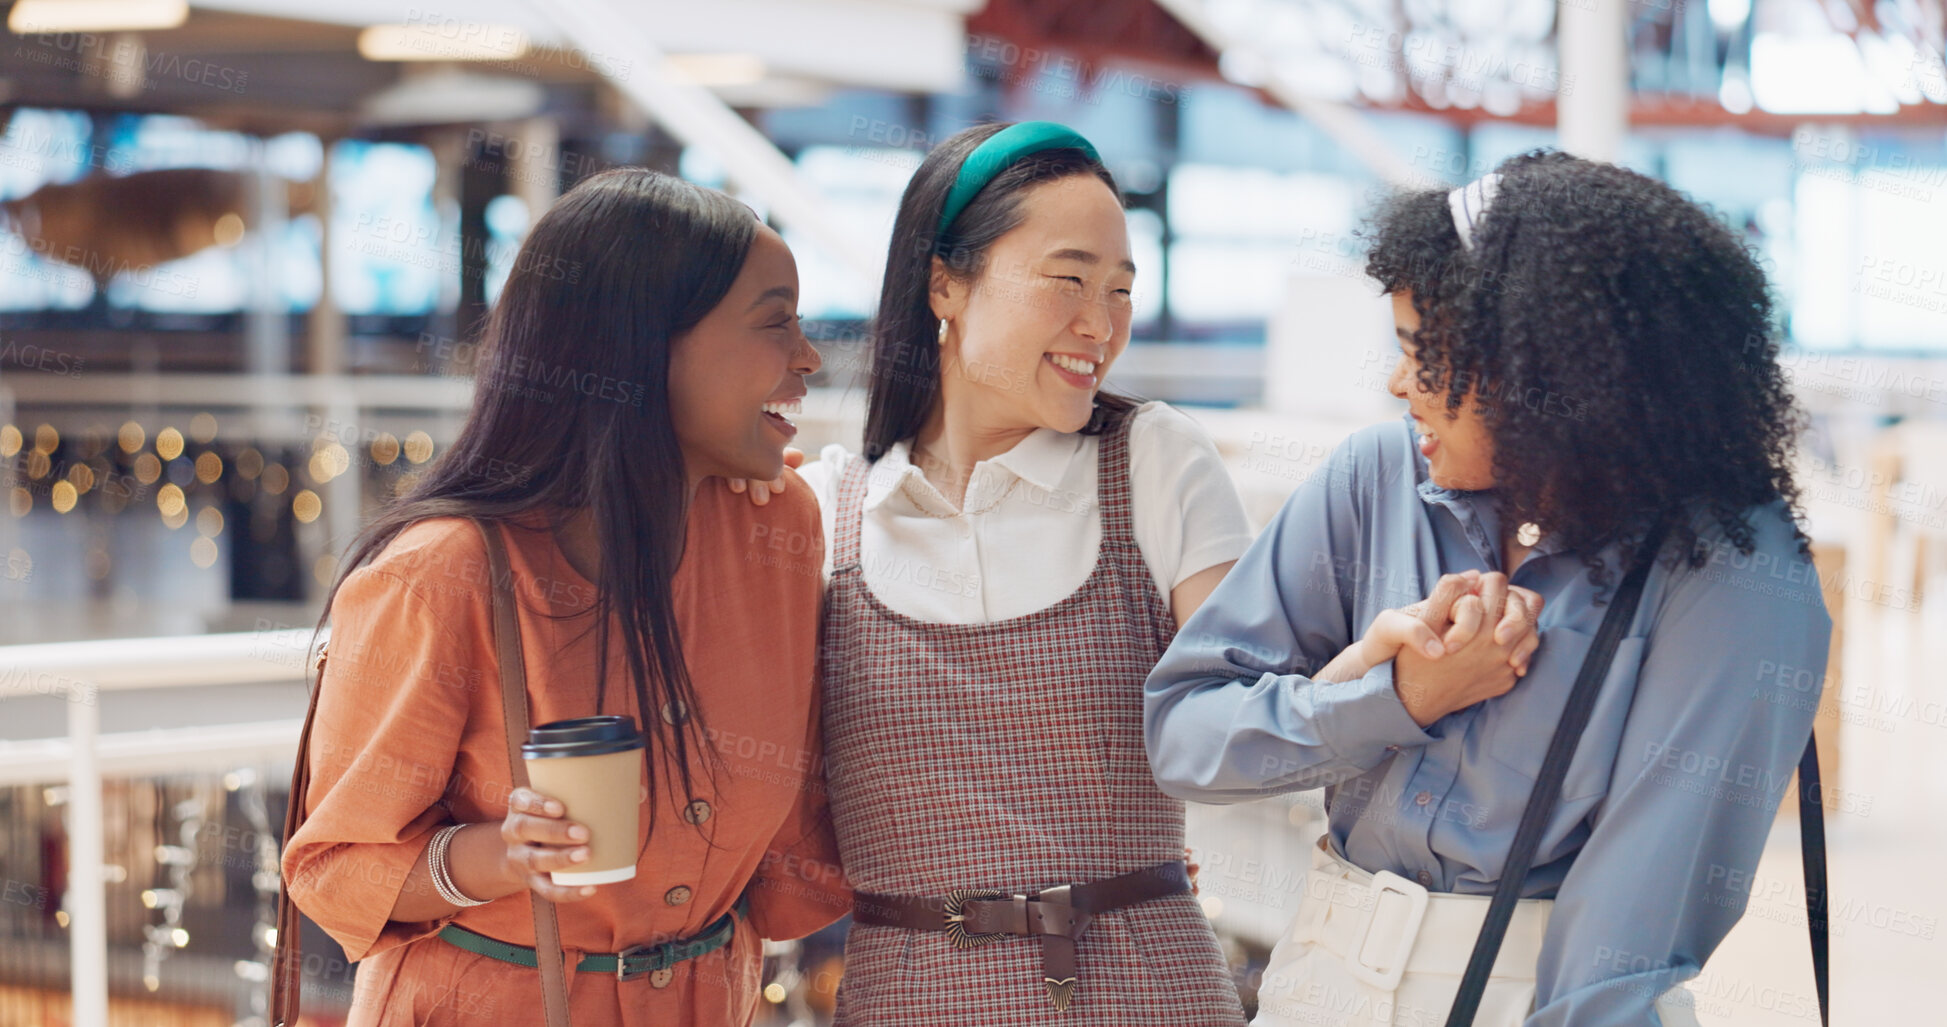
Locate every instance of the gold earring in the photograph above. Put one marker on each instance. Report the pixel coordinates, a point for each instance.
(942, 339)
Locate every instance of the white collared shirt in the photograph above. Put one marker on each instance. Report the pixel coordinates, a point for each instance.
(1031, 525)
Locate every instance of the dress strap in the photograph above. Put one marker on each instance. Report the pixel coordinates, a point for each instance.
(1112, 482)
(1120, 549)
(850, 513)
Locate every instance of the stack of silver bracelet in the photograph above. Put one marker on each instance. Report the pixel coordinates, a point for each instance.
(442, 873)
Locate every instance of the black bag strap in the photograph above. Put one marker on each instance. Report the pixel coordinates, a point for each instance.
(1548, 789)
(1811, 846)
(1548, 785)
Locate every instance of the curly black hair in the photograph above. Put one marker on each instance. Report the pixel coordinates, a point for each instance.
(1619, 339)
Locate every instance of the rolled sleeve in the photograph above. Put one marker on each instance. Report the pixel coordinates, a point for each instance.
(384, 741)
(799, 886)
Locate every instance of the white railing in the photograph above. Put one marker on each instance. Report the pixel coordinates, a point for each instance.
(80, 673)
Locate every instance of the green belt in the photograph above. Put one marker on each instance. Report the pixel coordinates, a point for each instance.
(628, 964)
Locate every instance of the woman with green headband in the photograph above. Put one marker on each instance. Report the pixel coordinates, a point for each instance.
(1007, 559)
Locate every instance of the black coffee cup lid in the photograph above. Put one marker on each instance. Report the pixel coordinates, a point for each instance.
(582, 736)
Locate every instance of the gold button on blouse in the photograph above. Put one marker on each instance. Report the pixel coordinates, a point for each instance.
(678, 895)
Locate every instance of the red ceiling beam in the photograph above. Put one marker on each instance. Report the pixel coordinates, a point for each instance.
(1139, 33)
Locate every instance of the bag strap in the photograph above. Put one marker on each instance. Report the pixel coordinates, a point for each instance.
(1548, 785)
(513, 707)
(288, 961)
(1811, 847)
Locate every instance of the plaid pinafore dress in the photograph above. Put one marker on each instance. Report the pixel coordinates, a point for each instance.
(1009, 755)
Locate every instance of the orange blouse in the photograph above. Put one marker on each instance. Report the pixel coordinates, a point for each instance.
(409, 737)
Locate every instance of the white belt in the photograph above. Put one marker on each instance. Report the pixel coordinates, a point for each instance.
(1383, 925)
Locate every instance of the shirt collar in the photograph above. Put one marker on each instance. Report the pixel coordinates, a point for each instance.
(1475, 509)
(1041, 460)
(887, 476)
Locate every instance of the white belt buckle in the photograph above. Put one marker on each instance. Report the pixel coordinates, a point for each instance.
(1386, 976)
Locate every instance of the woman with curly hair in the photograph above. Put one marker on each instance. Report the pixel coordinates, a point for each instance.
(1591, 380)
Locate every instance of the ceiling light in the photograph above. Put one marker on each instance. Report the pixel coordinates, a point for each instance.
(450, 42)
(33, 16)
(717, 69)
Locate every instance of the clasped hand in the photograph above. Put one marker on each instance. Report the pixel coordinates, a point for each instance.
(1468, 641)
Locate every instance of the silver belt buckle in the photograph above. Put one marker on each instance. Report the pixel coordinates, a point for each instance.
(644, 958)
(956, 916)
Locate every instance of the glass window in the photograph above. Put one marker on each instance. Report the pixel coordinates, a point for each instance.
(61, 147)
(507, 223)
(168, 141)
(1865, 264)
(860, 187)
(42, 147)
(1902, 286)
(1146, 249)
(1223, 280)
(1241, 233)
(390, 252)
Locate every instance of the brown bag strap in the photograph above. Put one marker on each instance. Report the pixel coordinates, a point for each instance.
(287, 963)
(513, 707)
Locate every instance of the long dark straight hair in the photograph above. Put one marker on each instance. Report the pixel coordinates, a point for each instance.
(906, 359)
(570, 412)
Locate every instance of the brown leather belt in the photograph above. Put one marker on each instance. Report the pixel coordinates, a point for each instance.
(1058, 916)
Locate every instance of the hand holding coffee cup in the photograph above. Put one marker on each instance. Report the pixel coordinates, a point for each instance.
(540, 839)
(591, 767)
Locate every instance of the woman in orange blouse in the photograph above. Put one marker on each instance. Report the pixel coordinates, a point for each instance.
(645, 341)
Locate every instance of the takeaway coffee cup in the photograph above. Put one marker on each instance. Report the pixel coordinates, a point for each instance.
(594, 766)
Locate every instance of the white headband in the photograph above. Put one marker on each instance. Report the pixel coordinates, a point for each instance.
(1469, 202)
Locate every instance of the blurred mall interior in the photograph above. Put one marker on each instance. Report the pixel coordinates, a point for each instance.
(245, 245)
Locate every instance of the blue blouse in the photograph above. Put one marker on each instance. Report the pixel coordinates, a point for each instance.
(1667, 804)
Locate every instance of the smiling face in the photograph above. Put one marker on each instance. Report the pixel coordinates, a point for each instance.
(1457, 445)
(734, 377)
(1031, 339)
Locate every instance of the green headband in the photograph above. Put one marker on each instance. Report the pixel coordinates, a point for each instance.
(1001, 151)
